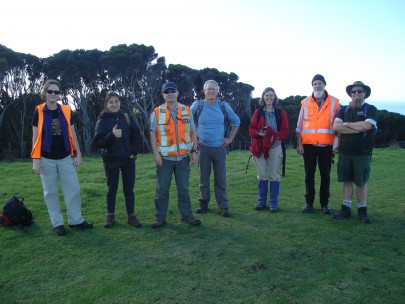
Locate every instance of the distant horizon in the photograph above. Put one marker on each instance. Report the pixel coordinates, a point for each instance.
(390, 106)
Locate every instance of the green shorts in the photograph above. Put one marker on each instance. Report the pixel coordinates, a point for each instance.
(354, 168)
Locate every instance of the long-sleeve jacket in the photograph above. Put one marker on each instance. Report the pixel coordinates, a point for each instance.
(258, 146)
(117, 148)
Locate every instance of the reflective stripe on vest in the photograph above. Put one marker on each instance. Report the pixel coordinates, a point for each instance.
(312, 135)
(173, 138)
(36, 149)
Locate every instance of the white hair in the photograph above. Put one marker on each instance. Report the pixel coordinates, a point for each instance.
(211, 81)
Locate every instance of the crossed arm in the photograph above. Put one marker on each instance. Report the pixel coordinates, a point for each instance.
(351, 127)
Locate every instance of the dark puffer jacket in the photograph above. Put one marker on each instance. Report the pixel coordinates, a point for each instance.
(117, 148)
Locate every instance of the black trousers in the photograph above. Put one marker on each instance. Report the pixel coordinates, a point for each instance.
(128, 182)
(322, 157)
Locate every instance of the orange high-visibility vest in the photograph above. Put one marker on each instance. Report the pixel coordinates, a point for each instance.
(36, 150)
(173, 139)
(317, 126)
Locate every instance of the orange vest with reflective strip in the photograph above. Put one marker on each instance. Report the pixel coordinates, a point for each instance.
(317, 126)
(173, 139)
(36, 150)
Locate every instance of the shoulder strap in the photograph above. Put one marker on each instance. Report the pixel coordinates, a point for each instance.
(201, 105)
(222, 105)
(365, 108)
(277, 113)
(127, 119)
(198, 112)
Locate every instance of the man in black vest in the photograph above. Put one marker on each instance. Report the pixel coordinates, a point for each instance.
(356, 125)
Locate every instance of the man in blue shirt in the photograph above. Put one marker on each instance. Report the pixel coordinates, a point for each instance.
(213, 143)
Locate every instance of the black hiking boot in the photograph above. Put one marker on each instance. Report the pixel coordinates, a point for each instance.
(307, 208)
(203, 207)
(363, 216)
(345, 212)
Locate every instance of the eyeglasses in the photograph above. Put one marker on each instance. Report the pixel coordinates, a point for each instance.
(169, 91)
(53, 92)
(357, 91)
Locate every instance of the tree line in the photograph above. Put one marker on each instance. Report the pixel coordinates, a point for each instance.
(136, 73)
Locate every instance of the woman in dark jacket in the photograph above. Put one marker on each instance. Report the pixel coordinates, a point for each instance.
(120, 138)
(269, 126)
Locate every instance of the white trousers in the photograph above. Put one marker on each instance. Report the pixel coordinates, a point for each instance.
(65, 171)
(269, 169)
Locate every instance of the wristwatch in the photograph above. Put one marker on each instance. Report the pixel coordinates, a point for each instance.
(191, 151)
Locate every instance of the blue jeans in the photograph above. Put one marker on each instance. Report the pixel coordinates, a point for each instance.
(181, 170)
(217, 157)
(128, 183)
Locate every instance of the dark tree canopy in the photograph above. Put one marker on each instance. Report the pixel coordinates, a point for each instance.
(136, 73)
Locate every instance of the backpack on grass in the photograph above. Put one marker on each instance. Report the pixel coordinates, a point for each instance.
(15, 213)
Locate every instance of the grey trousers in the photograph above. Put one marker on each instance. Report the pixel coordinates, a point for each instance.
(181, 170)
(215, 156)
(65, 171)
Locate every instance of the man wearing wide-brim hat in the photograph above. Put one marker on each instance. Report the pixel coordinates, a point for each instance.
(356, 125)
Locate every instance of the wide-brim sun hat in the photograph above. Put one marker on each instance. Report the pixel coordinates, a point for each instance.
(358, 84)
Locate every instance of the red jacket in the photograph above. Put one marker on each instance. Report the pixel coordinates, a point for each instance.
(258, 123)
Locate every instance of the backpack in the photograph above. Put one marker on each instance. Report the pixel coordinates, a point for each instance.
(227, 123)
(16, 213)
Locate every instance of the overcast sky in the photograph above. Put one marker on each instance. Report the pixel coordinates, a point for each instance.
(281, 44)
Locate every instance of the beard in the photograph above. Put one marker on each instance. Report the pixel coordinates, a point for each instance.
(356, 103)
(319, 93)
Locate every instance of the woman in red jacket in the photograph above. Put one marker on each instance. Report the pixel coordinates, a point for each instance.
(269, 126)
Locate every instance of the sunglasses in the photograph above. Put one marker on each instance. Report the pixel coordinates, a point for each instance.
(357, 91)
(53, 92)
(169, 91)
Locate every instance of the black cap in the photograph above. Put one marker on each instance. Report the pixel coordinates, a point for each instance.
(169, 85)
(318, 77)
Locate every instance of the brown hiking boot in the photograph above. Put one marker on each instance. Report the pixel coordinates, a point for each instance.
(158, 224)
(191, 221)
(133, 221)
(109, 221)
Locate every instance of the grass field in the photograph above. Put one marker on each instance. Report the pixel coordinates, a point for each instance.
(251, 257)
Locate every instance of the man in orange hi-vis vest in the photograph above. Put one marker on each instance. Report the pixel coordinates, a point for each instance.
(315, 140)
(174, 141)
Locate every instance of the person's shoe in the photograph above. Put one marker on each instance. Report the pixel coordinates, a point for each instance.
(83, 225)
(363, 216)
(273, 209)
(192, 221)
(345, 212)
(133, 221)
(325, 209)
(259, 207)
(158, 224)
(224, 212)
(109, 221)
(307, 208)
(59, 230)
(202, 208)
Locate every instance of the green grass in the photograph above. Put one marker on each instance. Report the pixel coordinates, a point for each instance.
(251, 257)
